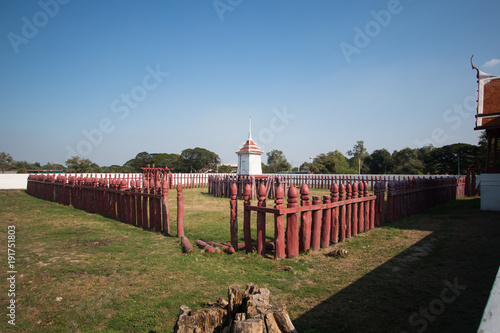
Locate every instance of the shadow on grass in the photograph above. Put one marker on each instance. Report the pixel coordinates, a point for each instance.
(440, 284)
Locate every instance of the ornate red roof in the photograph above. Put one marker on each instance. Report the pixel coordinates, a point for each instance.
(250, 147)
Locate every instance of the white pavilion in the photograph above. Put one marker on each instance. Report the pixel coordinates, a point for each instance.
(250, 157)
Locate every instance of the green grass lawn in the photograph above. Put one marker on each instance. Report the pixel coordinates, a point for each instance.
(81, 272)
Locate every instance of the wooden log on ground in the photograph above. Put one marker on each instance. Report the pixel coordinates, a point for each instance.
(186, 245)
(226, 248)
(204, 246)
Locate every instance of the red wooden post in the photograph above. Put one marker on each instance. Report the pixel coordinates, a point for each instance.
(261, 221)
(122, 203)
(361, 210)
(180, 212)
(165, 208)
(158, 206)
(233, 204)
(145, 204)
(128, 203)
(292, 228)
(377, 211)
(390, 202)
(133, 206)
(246, 218)
(138, 202)
(342, 213)
(152, 205)
(305, 227)
(316, 224)
(334, 194)
(368, 207)
(279, 225)
(398, 200)
(326, 223)
(382, 203)
(351, 216)
(72, 181)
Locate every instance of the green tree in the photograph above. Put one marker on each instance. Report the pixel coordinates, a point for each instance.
(53, 166)
(117, 169)
(406, 161)
(359, 154)
(332, 162)
(424, 154)
(24, 166)
(5, 161)
(171, 161)
(198, 160)
(141, 160)
(224, 168)
(276, 162)
(450, 158)
(379, 162)
(79, 165)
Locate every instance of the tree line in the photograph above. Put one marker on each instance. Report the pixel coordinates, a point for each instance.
(190, 160)
(449, 159)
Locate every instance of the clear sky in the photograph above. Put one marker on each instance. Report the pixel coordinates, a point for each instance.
(109, 79)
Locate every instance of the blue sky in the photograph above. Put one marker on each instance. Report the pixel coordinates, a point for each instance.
(108, 79)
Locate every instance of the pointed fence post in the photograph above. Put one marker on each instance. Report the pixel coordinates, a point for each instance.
(354, 211)
(133, 206)
(122, 202)
(279, 225)
(233, 203)
(180, 211)
(390, 202)
(342, 213)
(316, 224)
(145, 204)
(377, 193)
(165, 208)
(158, 205)
(361, 210)
(350, 227)
(138, 202)
(292, 228)
(326, 223)
(246, 218)
(152, 208)
(334, 194)
(305, 227)
(369, 218)
(261, 220)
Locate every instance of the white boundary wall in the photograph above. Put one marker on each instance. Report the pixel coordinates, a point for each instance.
(13, 181)
(491, 315)
(490, 191)
(20, 180)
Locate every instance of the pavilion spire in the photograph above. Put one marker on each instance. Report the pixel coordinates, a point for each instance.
(250, 127)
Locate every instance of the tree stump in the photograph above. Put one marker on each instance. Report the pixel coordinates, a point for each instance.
(246, 312)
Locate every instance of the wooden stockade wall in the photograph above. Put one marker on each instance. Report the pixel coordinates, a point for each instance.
(346, 212)
(127, 199)
(219, 185)
(409, 197)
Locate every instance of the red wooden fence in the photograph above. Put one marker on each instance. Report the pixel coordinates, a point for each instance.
(219, 185)
(346, 212)
(314, 224)
(119, 198)
(409, 197)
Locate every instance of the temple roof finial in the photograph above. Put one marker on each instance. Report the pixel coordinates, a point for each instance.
(250, 127)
